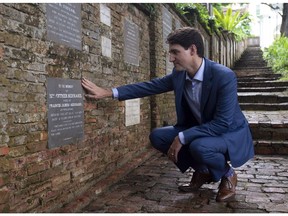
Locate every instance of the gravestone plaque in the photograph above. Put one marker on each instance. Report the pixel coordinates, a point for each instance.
(131, 43)
(206, 48)
(177, 24)
(65, 111)
(64, 24)
(167, 25)
(132, 112)
(106, 46)
(105, 14)
(169, 65)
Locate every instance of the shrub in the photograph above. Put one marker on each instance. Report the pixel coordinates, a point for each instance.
(276, 55)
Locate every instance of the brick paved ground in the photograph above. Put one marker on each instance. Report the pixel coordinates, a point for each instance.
(152, 188)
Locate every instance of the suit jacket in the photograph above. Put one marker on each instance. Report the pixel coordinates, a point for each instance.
(220, 110)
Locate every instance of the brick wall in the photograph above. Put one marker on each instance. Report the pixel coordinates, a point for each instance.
(34, 178)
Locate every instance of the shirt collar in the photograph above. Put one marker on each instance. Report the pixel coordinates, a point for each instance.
(199, 74)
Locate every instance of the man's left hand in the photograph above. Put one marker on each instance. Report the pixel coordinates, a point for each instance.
(174, 150)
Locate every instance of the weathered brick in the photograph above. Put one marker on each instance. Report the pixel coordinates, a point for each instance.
(40, 187)
(17, 151)
(35, 168)
(4, 195)
(1, 53)
(5, 164)
(59, 180)
(4, 151)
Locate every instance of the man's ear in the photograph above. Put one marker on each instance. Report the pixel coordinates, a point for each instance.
(193, 49)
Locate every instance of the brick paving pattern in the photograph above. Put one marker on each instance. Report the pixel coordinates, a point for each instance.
(153, 188)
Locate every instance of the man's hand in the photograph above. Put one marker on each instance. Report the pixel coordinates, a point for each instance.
(174, 150)
(94, 91)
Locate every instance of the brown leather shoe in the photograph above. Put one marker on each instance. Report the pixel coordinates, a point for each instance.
(198, 179)
(227, 188)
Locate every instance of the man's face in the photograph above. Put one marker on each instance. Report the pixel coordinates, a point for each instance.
(180, 57)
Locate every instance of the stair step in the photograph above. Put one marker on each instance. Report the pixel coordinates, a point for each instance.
(251, 69)
(245, 63)
(259, 78)
(263, 84)
(262, 97)
(268, 147)
(268, 131)
(264, 106)
(263, 89)
(255, 73)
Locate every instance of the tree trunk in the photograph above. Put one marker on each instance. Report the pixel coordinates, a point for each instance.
(284, 25)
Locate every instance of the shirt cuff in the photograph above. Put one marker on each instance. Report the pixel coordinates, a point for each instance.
(115, 93)
(181, 138)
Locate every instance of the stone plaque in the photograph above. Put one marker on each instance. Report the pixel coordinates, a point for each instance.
(65, 111)
(106, 46)
(64, 24)
(167, 26)
(105, 14)
(169, 65)
(131, 43)
(206, 48)
(177, 24)
(132, 112)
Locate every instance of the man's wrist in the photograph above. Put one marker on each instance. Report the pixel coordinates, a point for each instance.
(181, 138)
(114, 93)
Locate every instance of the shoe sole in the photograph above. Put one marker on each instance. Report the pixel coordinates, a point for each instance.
(228, 199)
(187, 189)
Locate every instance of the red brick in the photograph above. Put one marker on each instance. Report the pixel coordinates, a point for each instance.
(3, 180)
(1, 53)
(34, 168)
(4, 195)
(4, 151)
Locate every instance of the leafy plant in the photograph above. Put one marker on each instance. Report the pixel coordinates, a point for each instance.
(276, 55)
(202, 12)
(234, 22)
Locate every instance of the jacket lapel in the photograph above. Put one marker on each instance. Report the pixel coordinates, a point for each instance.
(206, 86)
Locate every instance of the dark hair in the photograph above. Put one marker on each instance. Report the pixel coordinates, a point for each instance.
(185, 37)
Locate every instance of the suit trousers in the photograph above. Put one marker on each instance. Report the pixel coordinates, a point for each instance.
(203, 153)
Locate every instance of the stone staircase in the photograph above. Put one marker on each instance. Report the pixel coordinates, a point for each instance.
(264, 101)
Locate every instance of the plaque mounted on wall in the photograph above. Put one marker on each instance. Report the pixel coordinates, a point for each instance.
(64, 24)
(65, 111)
(131, 43)
(167, 25)
(132, 112)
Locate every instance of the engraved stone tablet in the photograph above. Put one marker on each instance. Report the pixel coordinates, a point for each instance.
(206, 48)
(177, 24)
(105, 14)
(106, 46)
(131, 43)
(64, 24)
(167, 25)
(65, 111)
(169, 65)
(132, 112)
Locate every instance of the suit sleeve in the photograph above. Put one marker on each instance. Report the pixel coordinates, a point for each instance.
(143, 89)
(226, 102)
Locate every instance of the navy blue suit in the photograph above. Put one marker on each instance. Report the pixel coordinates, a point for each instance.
(223, 123)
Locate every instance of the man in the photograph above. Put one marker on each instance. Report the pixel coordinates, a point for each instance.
(211, 131)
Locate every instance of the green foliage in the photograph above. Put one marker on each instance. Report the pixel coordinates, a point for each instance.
(202, 12)
(276, 55)
(150, 7)
(234, 22)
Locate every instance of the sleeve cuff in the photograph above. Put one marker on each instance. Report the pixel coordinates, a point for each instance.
(181, 138)
(115, 93)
